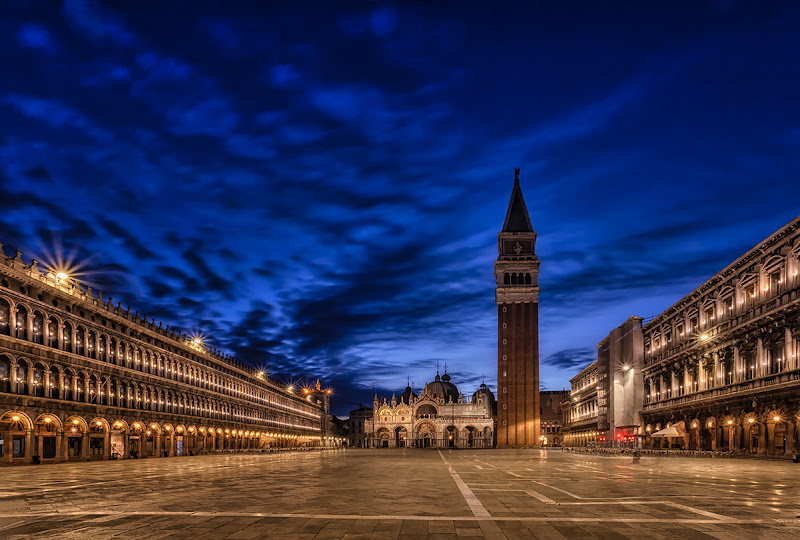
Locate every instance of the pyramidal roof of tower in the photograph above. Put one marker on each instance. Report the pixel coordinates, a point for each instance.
(517, 218)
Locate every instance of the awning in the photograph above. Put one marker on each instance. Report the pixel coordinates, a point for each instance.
(675, 430)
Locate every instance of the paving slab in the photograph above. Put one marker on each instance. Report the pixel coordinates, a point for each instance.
(403, 493)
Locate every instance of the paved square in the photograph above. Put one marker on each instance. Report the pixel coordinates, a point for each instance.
(404, 493)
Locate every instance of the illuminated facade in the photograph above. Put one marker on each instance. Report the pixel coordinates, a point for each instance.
(722, 365)
(81, 378)
(606, 397)
(552, 416)
(439, 418)
(516, 273)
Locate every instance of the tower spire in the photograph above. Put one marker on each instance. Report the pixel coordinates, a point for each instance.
(517, 217)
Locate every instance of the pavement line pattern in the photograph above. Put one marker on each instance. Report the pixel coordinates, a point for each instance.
(31, 517)
(474, 504)
(564, 491)
(540, 497)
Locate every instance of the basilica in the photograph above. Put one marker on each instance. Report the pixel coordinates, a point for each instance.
(439, 418)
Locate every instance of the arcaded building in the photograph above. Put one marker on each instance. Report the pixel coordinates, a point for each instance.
(82, 378)
(439, 418)
(722, 365)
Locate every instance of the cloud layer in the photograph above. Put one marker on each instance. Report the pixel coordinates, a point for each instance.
(320, 194)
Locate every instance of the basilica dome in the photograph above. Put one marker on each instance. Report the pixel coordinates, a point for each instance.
(443, 388)
(406, 396)
(483, 390)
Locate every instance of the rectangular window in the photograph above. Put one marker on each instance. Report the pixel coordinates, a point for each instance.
(774, 279)
(727, 304)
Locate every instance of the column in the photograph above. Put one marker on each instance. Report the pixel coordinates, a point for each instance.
(85, 453)
(790, 432)
(59, 440)
(762, 439)
(28, 443)
(771, 439)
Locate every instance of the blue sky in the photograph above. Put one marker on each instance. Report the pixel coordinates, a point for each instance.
(317, 188)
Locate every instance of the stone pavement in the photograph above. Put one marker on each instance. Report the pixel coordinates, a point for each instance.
(403, 493)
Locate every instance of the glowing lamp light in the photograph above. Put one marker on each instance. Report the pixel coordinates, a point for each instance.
(75, 422)
(47, 420)
(15, 418)
(776, 418)
(694, 424)
(751, 420)
(730, 422)
(626, 368)
(704, 337)
(99, 423)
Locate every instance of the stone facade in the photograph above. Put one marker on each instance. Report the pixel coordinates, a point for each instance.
(357, 430)
(552, 416)
(516, 273)
(606, 397)
(723, 363)
(81, 378)
(439, 418)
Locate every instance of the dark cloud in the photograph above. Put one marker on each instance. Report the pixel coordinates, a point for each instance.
(571, 360)
(319, 191)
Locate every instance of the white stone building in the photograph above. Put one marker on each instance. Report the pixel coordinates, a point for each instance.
(439, 418)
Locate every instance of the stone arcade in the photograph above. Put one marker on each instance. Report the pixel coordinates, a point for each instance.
(81, 378)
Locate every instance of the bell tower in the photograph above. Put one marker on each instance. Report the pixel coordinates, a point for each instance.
(516, 273)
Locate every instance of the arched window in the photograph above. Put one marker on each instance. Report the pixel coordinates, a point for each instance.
(506, 279)
(69, 382)
(5, 313)
(527, 279)
(38, 389)
(22, 378)
(80, 388)
(52, 332)
(112, 351)
(102, 349)
(91, 345)
(94, 396)
(80, 339)
(5, 374)
(66, 342)
(51, 384)
(22, 323)
(38, 327)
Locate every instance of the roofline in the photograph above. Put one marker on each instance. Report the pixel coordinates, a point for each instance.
(725, 272)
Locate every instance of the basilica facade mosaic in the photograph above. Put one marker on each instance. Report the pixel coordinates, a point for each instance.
(438, 418)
